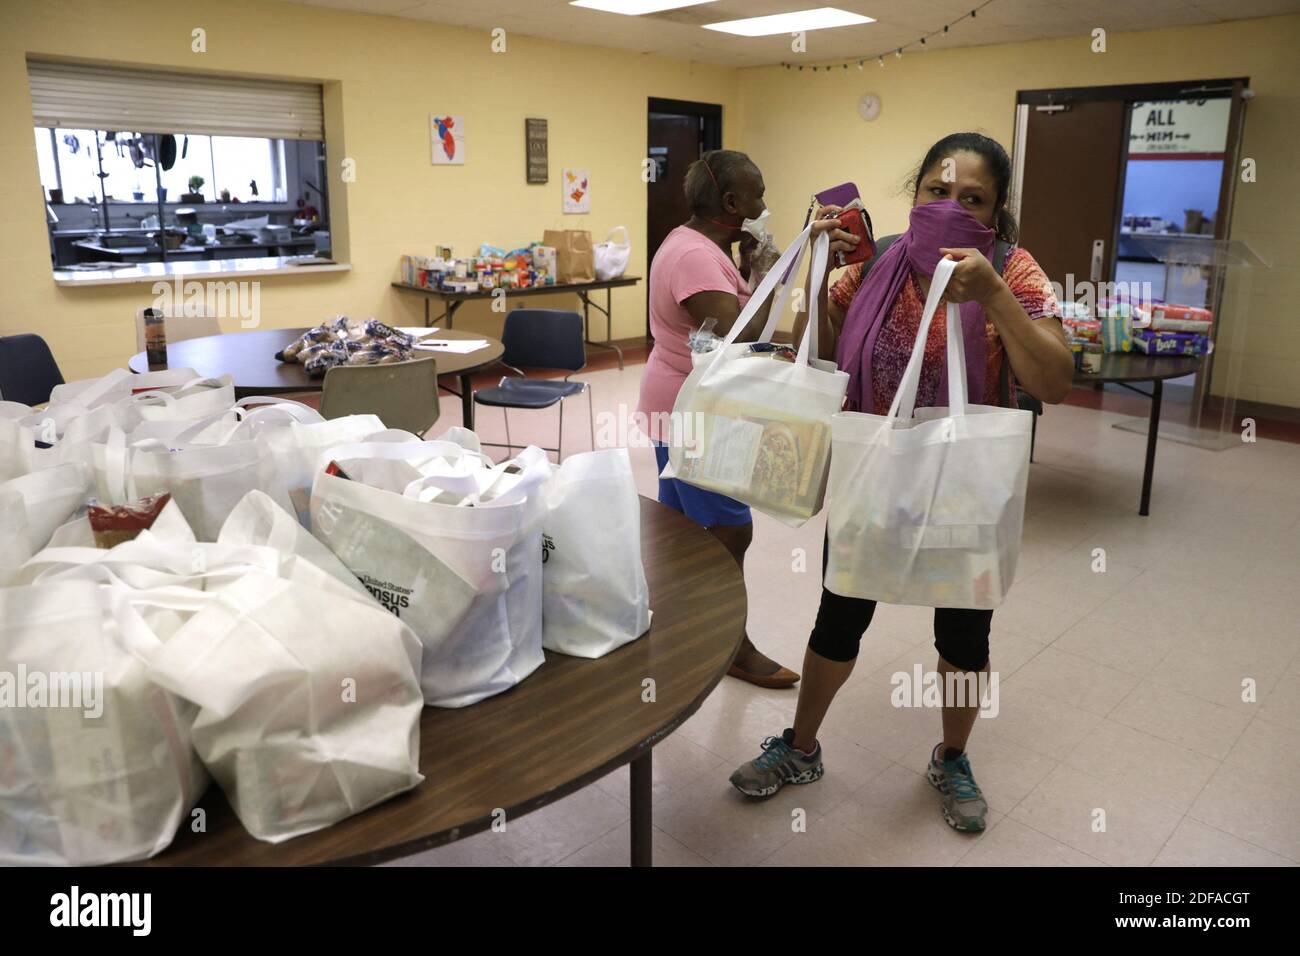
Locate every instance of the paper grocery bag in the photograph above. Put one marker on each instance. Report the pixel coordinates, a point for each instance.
(575, 257)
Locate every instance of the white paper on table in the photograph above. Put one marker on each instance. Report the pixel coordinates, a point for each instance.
(416, 330)
(460, 346)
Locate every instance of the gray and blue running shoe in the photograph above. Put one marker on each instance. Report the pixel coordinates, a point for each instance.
(779, 763)
(964, 806)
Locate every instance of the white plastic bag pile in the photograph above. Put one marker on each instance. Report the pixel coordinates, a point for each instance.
(279, 627)
(194, 655)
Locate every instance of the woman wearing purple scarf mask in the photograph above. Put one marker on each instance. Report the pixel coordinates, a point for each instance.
(1009, 324)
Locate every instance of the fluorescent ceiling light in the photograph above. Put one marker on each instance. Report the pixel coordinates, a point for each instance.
(797, 22)
(635, 8)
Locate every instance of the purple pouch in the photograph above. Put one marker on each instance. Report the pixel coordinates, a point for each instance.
(840, 195)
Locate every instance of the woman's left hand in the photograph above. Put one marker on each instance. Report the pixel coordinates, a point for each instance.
(973, 280)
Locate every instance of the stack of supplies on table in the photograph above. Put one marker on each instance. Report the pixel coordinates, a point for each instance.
(1116, 319)
(491, 268)
(344, 342)
(1083, 333)
(1168, 329)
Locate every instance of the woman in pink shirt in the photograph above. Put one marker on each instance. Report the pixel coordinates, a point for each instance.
(694, 278)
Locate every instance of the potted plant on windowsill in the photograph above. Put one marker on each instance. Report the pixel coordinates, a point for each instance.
(195, 194)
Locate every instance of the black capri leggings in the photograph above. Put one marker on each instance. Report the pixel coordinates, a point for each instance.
(961, 635)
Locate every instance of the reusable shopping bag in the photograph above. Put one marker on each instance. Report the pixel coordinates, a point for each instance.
(594, 593)
(450, 544)
(928, 510)
(753, 427)
(108, 774)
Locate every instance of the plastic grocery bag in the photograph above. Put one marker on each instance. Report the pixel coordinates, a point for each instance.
(594, 593)
(928, 510)
(451, 545)
(753, 427)
(301, 726)
(612, 257)
(107, 775)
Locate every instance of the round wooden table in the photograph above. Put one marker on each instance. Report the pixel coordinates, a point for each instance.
(1125, 368)
(565, 726)
(250, 358)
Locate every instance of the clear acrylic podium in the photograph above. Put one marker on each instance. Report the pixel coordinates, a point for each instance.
(1216, 274)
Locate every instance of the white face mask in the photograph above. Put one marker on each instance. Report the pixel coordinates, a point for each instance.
(757, 227)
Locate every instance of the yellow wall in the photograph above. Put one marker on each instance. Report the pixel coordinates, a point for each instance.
(383, 78)
(807, 135)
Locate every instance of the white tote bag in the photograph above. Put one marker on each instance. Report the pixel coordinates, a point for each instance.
(258, 520)
(33, 506)
(301, 726)
(467, 579)
(612, 256)
(96, 780)
(755, 428)
(205, 481)
(594, 593)
(928, 510)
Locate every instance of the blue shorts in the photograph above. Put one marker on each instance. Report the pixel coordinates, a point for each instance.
(705, 508)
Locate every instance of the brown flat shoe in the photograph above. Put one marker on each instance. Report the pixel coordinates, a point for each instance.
(784, 677)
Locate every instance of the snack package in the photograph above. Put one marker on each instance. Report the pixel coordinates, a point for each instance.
(113, 524)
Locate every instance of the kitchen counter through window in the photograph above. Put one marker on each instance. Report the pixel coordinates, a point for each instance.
(201, 269)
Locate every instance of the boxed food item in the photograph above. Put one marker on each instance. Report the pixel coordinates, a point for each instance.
(1088, 330)
(1170, 343)
(544, 259)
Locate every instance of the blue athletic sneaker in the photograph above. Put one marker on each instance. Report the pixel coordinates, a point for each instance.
(964, 806)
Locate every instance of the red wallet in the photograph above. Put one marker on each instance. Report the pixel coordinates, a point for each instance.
(854, 219)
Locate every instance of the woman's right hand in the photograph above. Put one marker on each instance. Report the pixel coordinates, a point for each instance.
(827, 221)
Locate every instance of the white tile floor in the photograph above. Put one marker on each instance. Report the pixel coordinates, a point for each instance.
(1123, 693)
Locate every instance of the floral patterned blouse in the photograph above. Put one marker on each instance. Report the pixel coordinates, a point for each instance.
(1023, 276)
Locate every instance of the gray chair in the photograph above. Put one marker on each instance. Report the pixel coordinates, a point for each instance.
(540, 338)
(403, 394)
(28, 372)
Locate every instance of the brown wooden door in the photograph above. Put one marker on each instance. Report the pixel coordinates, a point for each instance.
(679, 138)
(679, 132)
(1071, 185)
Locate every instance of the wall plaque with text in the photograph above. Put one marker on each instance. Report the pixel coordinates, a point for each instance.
(535, 145)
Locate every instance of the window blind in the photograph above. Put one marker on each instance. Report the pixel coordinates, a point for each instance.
(155, 101)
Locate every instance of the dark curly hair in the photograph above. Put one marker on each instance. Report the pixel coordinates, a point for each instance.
(994, 156)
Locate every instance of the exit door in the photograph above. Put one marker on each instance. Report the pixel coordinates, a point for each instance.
(1071, 185)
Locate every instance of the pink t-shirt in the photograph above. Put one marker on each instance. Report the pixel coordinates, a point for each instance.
(687, 262)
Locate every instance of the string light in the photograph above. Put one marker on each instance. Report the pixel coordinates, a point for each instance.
(920, 42)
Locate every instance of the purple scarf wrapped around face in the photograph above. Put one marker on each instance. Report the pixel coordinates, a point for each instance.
(933, 225)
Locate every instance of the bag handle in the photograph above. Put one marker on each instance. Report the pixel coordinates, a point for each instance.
(299, 412)
(627, 236)
(904, 403)
(821, 254)
(793, 254)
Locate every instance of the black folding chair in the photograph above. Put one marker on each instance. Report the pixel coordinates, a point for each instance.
(540, 338)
